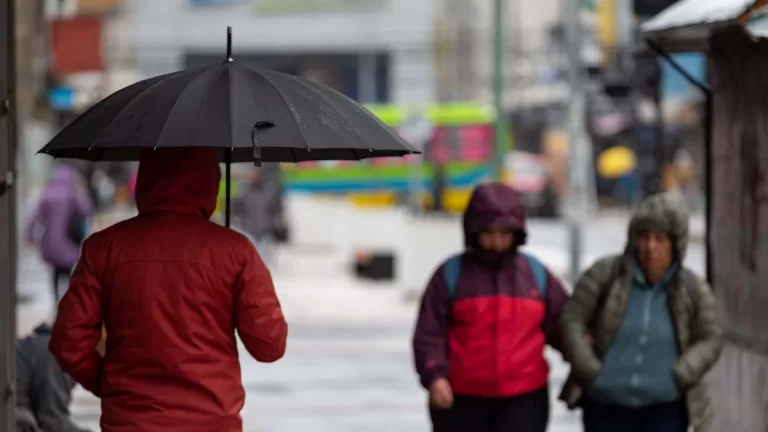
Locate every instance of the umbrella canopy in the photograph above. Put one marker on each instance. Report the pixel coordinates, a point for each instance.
(248, 114)
(259, 115)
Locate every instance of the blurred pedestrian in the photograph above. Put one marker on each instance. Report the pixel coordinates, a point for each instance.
(171, 288)
(484, 320)
(43, 390)
(59, 223)
(641, 331)
(257, 213)
(685, 186)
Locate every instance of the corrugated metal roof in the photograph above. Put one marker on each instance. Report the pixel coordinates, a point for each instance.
(692, 12)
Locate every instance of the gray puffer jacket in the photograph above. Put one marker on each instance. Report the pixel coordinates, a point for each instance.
(599, 303)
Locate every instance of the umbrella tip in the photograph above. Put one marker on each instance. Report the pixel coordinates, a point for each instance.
(229, 44)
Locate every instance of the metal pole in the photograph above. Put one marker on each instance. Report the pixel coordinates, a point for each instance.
(498, 86)
(7, 216)
(579, 196)
(709, 185)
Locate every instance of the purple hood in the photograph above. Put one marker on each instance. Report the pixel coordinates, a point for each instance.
(494, 204)
(64, 179)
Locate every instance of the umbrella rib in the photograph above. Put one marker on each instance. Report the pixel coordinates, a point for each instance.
(255, 102)
(265, 74)
(83, 118)
(309, 85)
(176, 102)
(133, 100)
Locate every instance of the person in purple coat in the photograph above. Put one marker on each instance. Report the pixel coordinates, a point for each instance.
(484, 321)
(58, 224)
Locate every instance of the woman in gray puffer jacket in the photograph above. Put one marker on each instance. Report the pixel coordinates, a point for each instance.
(641, 331)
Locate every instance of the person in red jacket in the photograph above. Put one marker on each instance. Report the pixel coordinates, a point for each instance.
(171, 288)
(484, 321)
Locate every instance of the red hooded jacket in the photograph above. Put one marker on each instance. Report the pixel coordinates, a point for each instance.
(488, 339)
(171, 288)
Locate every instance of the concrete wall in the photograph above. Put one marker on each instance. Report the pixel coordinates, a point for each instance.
(166, 29)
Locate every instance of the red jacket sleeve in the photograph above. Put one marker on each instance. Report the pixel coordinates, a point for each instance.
(77, 329)
(430, 339)
(259, 318)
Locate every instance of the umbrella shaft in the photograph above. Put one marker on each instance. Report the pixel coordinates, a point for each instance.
(227, 186)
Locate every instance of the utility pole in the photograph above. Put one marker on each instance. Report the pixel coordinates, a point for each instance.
(7, 215)
(499, 131)
(580, 199)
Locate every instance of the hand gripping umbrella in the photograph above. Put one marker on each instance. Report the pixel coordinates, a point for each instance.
(248, 114)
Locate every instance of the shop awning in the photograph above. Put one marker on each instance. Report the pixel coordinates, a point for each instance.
(687, 25)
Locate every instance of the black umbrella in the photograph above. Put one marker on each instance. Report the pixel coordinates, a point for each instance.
(250, 114)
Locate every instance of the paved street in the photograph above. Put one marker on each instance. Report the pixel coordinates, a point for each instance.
(348, 365)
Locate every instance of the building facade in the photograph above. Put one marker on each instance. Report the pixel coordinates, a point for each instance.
(466, 51)
(371, 50)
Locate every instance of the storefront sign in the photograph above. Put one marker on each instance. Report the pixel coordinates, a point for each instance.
(263, 7)
(76, 45)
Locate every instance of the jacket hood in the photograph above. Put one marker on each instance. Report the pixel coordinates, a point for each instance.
(64, 174)
(662, 212)
(62, 184)
(491, 205)
(179, 179)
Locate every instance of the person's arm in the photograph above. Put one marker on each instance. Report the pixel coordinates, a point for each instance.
(430, 338)
(77, 330)
(82, 202)
(577, 315)
(556, 299)
(706, 338)
(260, 321)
